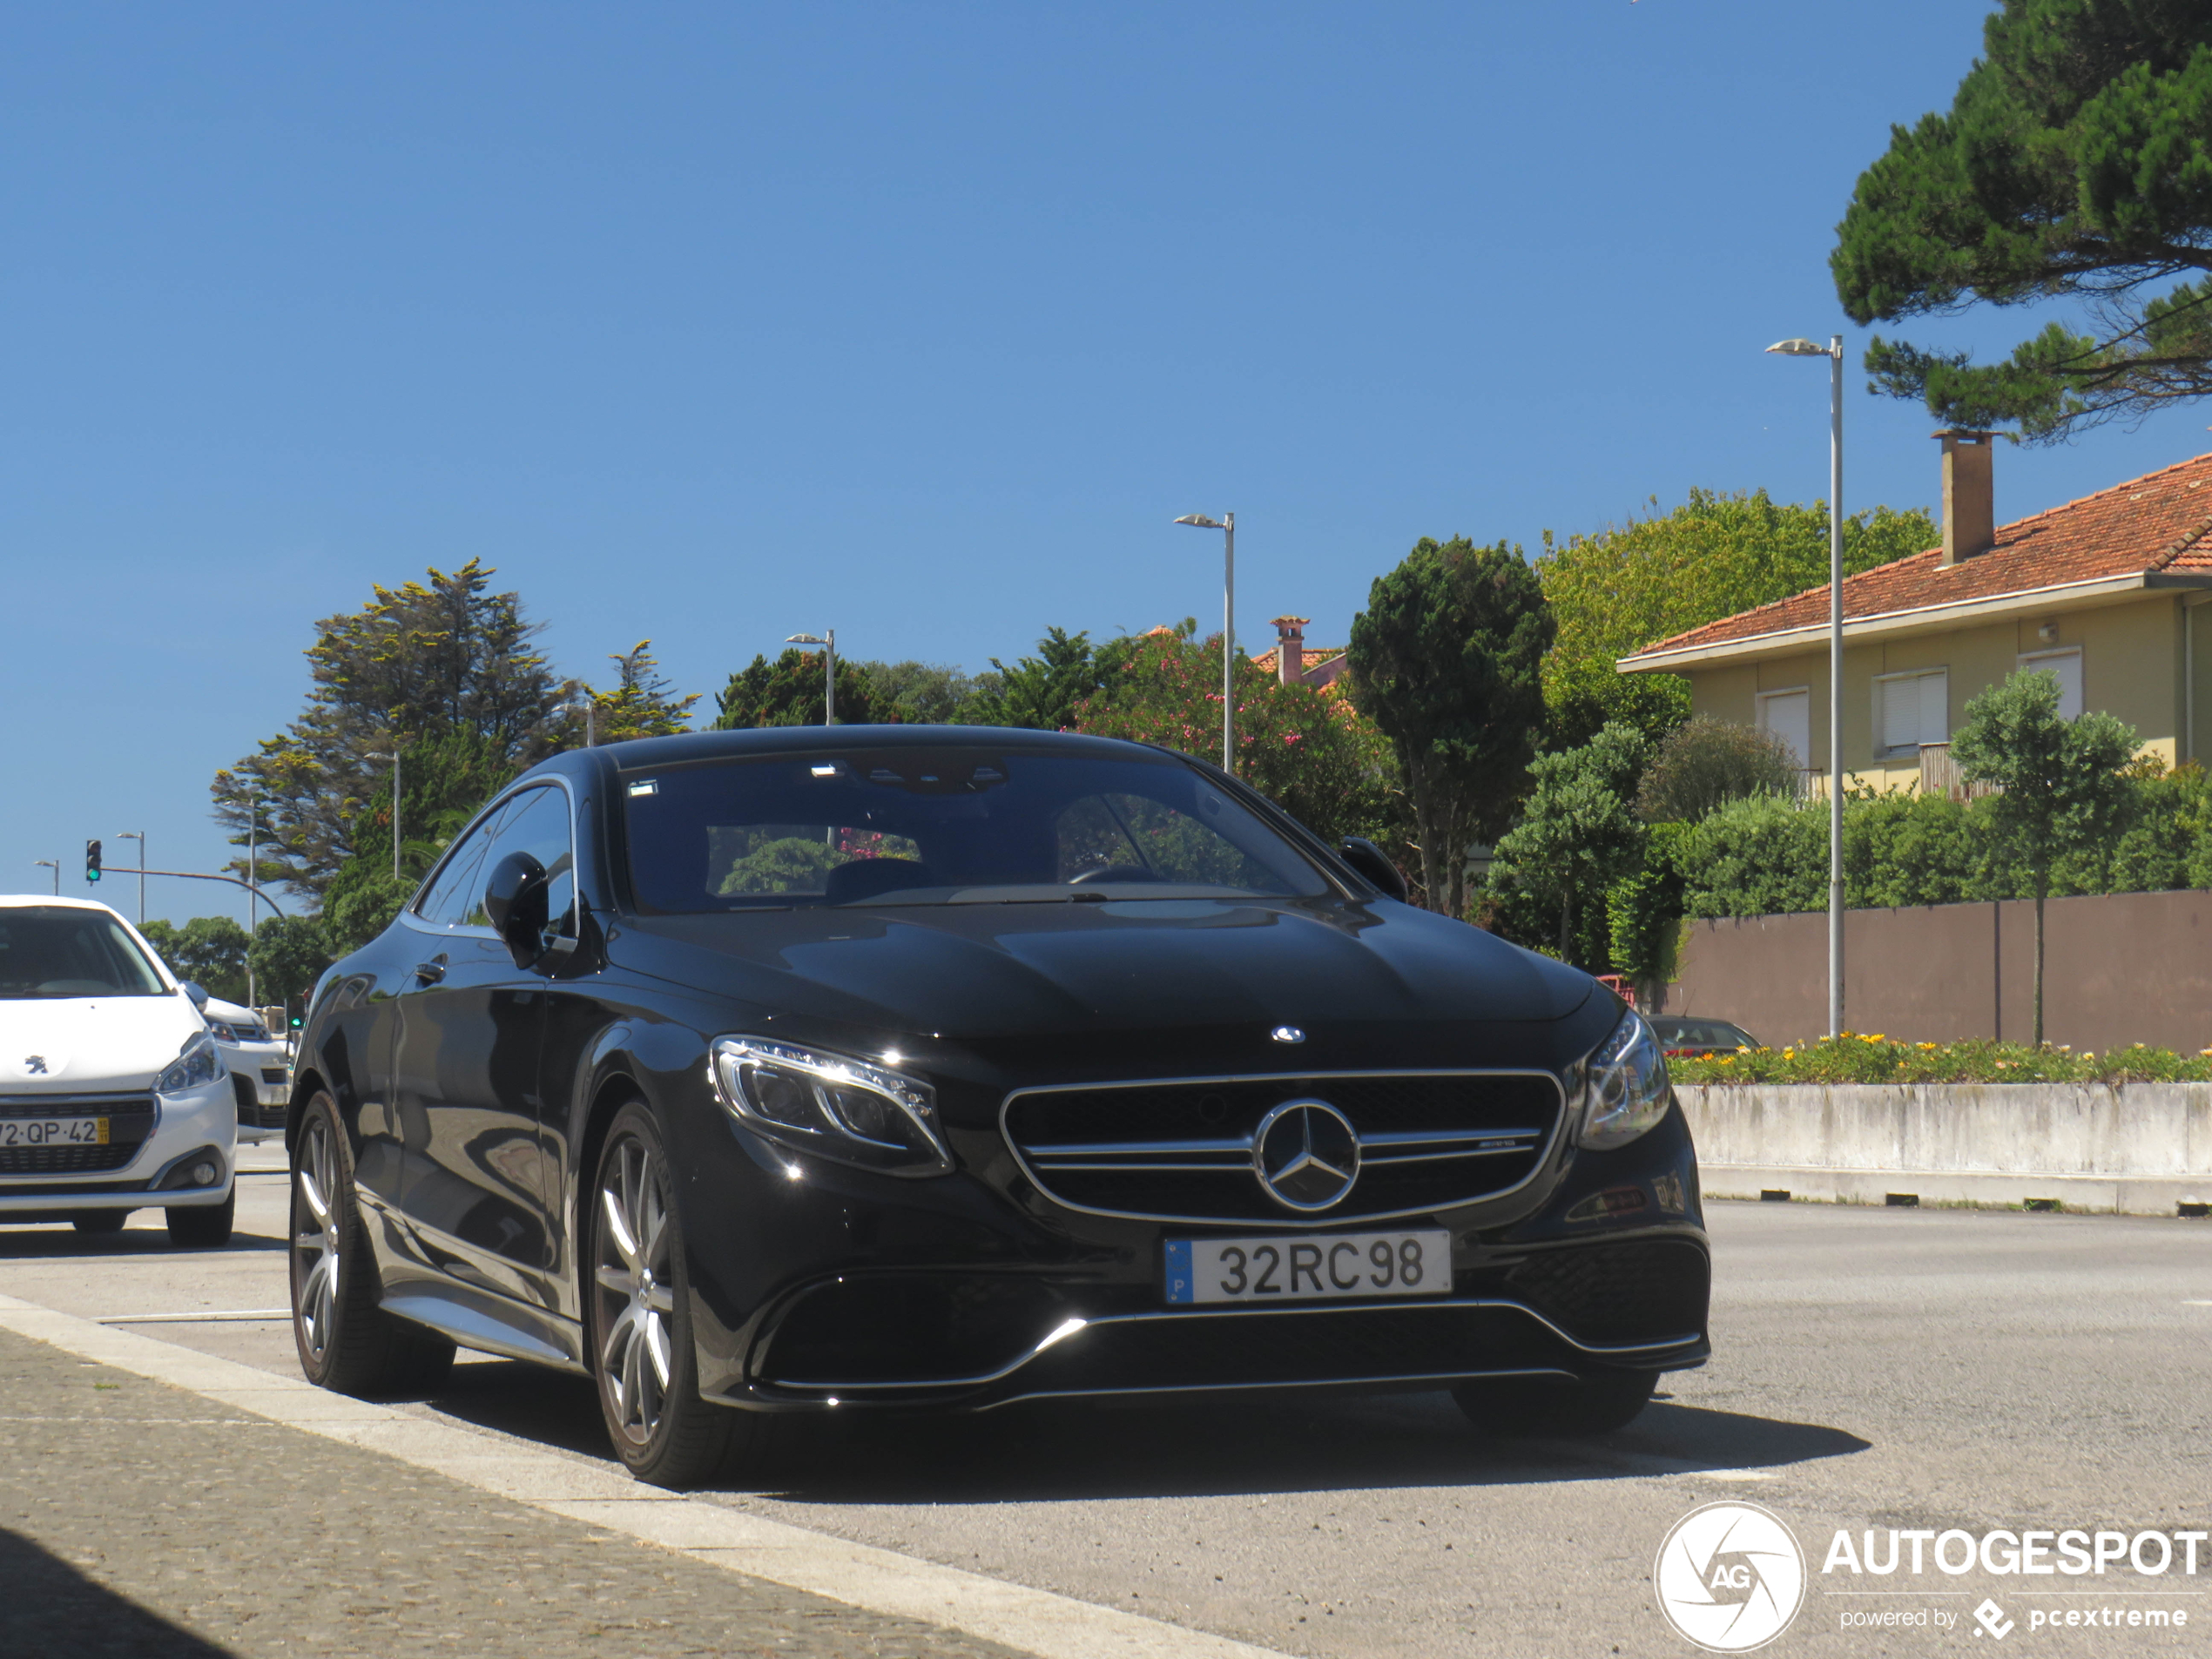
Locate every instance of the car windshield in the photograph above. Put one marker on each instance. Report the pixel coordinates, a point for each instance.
(56, 950)
(944, 825)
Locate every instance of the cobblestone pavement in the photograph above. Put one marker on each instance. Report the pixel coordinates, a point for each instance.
(139, 1520)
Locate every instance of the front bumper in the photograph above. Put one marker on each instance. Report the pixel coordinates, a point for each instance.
(943, 1293)
(261, 1083)
(201, 1120)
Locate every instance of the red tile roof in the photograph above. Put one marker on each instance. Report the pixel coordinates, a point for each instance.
(2157, 523)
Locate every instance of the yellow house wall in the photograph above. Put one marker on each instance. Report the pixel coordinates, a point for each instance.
(2131, 666)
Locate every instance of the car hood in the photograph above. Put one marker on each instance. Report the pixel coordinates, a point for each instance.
(977, 971)
(75, 1044)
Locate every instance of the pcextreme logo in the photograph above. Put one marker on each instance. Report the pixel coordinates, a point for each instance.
(1730, 1577)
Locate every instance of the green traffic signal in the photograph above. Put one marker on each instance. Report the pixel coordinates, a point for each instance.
(91, 860)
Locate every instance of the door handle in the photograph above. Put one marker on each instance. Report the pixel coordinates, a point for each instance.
(431, 972)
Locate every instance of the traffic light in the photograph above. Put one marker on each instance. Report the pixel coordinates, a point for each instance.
(91, 860)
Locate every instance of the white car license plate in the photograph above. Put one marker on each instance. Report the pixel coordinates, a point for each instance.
(1308, 1269)
(53, 1131)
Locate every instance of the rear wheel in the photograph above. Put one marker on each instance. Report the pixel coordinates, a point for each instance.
(97, 1222)
(1595, 1403)
(346, 1343)
(640, 1325)
(206, 1226)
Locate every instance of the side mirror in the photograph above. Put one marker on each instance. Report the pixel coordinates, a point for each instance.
(516, 900)
(1363, 856)
(195, 990)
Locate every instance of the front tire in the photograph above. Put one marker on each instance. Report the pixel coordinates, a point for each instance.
(639, 1322)
(346, 1343)
(1554, 1407)
(206, 1226)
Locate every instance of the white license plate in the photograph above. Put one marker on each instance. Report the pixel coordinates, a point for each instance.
(53, 1131)
(1308, 1269)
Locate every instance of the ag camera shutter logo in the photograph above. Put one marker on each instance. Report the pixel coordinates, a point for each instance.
(1730, 1577)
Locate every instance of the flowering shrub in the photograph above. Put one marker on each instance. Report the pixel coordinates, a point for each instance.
(1853, 1058)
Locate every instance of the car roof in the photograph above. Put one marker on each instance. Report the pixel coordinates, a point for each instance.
(24, 901)
(641, 752)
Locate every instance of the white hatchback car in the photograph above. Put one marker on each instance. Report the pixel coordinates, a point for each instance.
(261, 1069)
(112, 1095)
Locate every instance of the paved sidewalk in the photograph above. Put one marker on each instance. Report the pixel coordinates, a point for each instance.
(138, 1519)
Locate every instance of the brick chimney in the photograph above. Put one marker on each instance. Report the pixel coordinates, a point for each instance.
(1290, 648)
(1969, 508)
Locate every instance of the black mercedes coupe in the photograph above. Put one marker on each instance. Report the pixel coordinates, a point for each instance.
(857, 1068)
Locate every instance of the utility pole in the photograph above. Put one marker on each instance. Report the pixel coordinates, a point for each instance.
(1227, 525)
(55, 865)
(139, 836)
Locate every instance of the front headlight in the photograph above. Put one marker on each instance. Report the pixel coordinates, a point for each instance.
(196, 1065)
(1624, 1086)
(831, 1106)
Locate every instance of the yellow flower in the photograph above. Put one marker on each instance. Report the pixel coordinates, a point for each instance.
(1787, 1054)
(1924, 1045)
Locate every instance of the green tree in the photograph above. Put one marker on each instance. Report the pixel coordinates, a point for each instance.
(926, 693)
(788, 691)
(1446, 661)
(447, 781)
(288, 955)
(417, 663)
(1630, 585)
(1309, 750)
(2062, 782)
(1643, 908)
(208, 949)
(1042, 691)
(641, 703)
(2076, 158)
(1704, 762)
(1579, 832)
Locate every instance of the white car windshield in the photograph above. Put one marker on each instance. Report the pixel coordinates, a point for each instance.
(930, 826)
(56, 950)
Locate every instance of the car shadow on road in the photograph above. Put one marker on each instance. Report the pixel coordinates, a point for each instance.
(1057, 1450)
(54, 1244)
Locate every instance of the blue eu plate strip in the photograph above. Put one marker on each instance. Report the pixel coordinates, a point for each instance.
(1182, 1283)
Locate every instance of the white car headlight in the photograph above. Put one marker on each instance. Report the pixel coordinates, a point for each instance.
(196, 1065)
(831, 1106)
(1625, 1090)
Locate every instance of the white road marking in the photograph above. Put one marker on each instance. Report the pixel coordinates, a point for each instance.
(882, 1581)
(192, 1318)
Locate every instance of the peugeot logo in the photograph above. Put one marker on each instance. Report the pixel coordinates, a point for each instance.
(34, 1065)
(1305, 1154)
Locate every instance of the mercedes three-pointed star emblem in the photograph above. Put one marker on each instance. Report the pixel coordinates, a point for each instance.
(1306, 1155)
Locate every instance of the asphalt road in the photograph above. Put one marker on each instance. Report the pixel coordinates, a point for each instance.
(1873, 1368)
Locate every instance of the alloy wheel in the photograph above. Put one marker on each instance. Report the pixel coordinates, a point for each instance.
(314, 1237)
(636, 1291)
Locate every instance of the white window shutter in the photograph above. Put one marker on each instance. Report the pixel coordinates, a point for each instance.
(1935, 707)
(1900, 711)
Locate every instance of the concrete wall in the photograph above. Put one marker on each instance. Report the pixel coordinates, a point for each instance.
(2131, 666)
(2119, 968)
(2144, 1148)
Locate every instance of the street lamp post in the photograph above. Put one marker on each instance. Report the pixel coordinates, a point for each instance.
(55, 865)
(139, 836)
(1834, 352)
(829, 670)
(394, 758)
(252, 890)
(1227, 525)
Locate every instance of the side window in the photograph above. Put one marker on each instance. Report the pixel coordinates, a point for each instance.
(453, 894)
(535, 822)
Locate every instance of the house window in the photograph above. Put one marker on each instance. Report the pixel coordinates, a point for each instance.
(2066, 665)
(1911, 710)
(1788, 715)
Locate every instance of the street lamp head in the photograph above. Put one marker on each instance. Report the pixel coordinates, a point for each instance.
(804, 639)
(1798, 348)
(1201, 521)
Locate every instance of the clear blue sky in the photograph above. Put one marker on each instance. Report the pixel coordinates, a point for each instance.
(713, 324)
